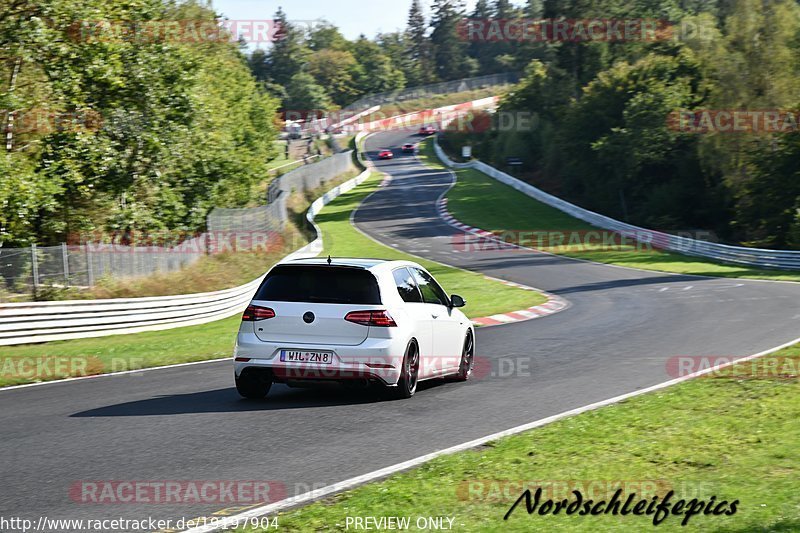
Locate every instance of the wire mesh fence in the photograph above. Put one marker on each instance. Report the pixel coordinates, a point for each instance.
(28, 270)
(310, 177)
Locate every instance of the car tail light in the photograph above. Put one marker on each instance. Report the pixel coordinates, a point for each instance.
(380, 319)
(256, 312)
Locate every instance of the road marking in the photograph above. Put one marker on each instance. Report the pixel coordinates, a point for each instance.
(662, 289)
(553, 305)
(120, 373)
(354, 482)
(687, 287)
(452, 221)
(309, 497)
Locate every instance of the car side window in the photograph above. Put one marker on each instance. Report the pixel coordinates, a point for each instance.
(406, 286)
(432, 293)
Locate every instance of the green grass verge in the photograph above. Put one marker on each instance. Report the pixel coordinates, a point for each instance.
(280, 156)
(723, 436)
(57, 360)
(482, 202)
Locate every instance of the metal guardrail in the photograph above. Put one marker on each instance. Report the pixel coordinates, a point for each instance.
(49, 321)
(740, 255)
(29, 322)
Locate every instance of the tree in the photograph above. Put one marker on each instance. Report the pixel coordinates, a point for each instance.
(175, 129)
(377, 73)
(326, 36)
(304, 94)
(418, 47)
(449, 48)
(258, 61)
(394, 46)
(289, 52)
(478, 49)
(335, 71)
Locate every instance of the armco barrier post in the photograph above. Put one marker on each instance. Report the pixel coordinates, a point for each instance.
(65, 258)
(34, 269)
(89, 271)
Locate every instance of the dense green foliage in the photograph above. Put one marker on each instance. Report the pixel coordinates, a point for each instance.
(319, 69)
(143, 133)
(430, 49)
(600, 135)
(157, 131)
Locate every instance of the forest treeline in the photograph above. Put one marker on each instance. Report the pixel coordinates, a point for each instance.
(149, 135)
(604, 133)
(118, 134)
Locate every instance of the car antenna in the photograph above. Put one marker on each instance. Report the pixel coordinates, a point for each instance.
(329, 260)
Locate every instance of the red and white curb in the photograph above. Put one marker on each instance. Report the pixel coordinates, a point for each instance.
(554, 303)
(441, 208)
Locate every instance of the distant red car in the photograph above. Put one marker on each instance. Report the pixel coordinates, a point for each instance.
(385, 154)
(427, 130)
(409, 148)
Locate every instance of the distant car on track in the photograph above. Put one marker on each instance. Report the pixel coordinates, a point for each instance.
(409, 148)
(427, 130)
(385, 154)
(355, 321)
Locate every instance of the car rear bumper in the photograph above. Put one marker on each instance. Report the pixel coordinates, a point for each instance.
(373, 360)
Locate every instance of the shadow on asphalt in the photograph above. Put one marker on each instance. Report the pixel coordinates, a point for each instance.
(228, 401)
(625, 283)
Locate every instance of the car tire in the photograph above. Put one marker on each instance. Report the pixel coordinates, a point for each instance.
(409, 375)
(253, 385)
(467, 359)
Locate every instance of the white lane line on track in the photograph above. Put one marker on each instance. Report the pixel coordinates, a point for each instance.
(353, 482)
(112, 374)
(452, 221)
(554, 304)
(377, 474)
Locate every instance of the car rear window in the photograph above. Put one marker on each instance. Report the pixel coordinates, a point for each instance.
(320, 284)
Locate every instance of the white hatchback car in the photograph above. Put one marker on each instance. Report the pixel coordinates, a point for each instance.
(351, 321)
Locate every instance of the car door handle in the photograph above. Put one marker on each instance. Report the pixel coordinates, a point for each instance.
(435, 316)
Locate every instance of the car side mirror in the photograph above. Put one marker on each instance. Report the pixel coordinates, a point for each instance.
(457, 301)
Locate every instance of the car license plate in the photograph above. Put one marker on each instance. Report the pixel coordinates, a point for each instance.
(303, 356)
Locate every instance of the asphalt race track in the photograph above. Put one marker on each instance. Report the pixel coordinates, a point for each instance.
(188, 423)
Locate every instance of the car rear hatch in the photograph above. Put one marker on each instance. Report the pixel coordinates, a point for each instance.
(310, 303)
